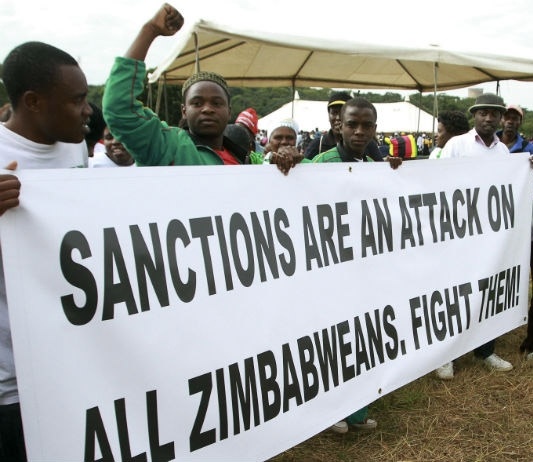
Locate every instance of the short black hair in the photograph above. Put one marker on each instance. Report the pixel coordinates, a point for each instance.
(32, 66)
(361, 103)
(455, 122)
(96, 124)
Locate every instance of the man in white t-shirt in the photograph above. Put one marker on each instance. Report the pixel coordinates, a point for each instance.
(48, 92)
(480, 141)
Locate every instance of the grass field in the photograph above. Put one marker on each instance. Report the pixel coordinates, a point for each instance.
(478, 416)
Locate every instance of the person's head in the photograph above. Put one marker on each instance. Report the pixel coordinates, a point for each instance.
(206, 105)
(358, 128)
(450, 124)
(96, 128)
(335, 103)
(285, 134)
(240, 137)
(511, 120)
(48, 92)
(249, 120)
(115, 150)
(487, 111)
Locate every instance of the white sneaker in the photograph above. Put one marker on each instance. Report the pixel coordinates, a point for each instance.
(529, 357)
(339, 427)
(367, 424)
(445, 372)
(496, 363)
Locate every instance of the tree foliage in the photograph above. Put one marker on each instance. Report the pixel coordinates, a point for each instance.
(265, 100)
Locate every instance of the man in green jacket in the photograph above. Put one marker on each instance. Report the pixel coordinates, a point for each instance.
(206, 109)
(358, 129)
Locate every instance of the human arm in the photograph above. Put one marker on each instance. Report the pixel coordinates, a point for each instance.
(285, 158)
(167, 21)
(394, 162)
(9, 189)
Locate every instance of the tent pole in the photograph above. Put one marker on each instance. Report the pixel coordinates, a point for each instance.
(435, 100)
(419, 111)
(196, 53)
(293, 90)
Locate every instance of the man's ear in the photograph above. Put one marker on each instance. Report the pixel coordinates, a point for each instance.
(183, 111)
(32, 101)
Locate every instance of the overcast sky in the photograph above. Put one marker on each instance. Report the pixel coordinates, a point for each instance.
(95, 32)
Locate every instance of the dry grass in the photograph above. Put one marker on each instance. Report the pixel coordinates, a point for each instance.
(479, 416)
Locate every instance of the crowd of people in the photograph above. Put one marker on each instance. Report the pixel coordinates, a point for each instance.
(50, 124)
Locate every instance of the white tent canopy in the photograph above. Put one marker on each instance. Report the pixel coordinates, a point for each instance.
(288, 44)
(392, 117)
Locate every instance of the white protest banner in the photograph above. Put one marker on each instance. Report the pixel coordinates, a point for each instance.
(207, 313)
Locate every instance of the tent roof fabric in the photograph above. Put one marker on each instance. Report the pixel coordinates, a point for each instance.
(392, 117)
(291, 53)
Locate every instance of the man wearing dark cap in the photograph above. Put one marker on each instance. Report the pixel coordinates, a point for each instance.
(480, 141)
(206, 109)
(329, 140)
(511, 121)
(509, 135)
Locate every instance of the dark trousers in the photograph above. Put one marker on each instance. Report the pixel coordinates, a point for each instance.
(12, 447)
(527, 344)
(485, 350)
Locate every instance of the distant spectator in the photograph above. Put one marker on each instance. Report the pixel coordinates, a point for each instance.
(322, 143)
(420, 142)
(248, 119)
(509, 135)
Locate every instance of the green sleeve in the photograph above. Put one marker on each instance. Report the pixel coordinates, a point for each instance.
(148, 139)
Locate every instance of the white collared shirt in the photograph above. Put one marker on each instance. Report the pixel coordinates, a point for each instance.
(471, 144)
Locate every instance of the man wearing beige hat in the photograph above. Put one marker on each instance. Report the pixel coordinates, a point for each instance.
(509, 135)
(481, 140)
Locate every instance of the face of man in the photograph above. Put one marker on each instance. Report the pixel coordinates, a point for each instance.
(511, 122)
(115, 150)
(358, 129)
(487, 121)
(206, 109)
(334, 113)
(63, 112)
(282, 136)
